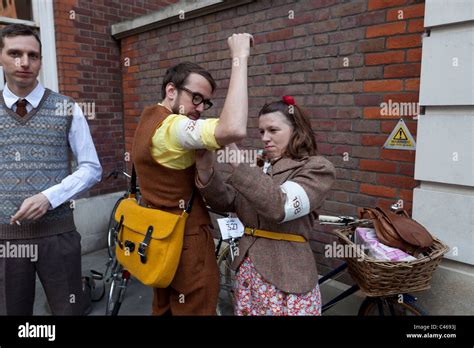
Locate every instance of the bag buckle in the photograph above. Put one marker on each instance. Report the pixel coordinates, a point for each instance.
(142, 252)
(144, 245)
(142, 249)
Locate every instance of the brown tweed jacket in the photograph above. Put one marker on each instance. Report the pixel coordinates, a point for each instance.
(257, 199)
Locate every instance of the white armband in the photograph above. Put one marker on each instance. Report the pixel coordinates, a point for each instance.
(297, 201)
(189, 134)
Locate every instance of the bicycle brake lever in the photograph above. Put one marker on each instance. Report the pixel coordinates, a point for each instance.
(113, 173)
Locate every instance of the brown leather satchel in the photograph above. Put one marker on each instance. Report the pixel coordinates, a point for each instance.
(398, 230)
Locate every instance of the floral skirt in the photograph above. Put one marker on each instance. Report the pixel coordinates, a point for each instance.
(256, 296)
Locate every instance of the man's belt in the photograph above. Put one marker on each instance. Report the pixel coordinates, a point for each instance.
(274, 235)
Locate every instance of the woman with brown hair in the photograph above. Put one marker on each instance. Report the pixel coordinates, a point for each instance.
(276, 270)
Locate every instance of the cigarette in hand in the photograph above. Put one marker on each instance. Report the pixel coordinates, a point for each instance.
(17, 222)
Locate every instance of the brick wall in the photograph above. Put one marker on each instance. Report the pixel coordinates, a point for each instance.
(383, 39)
(339, 59)
(90, 70)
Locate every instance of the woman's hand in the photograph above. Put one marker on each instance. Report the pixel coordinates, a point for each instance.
(233, 149)
(205, 165)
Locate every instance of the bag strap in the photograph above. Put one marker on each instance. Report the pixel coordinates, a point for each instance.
(133, 190)
(133, 181)
(189, 206)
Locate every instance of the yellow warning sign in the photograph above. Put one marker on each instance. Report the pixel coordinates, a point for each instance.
(400, 138)
(401, 135)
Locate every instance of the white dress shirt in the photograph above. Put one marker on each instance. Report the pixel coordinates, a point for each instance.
(89, 170)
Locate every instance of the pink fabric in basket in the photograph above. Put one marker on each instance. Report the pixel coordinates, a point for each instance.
(368, 239)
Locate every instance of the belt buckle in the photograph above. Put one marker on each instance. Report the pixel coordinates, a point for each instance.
(252, 232)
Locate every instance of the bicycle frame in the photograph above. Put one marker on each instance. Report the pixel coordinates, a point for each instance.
(341, 296)
(381, 303)
(119, 277)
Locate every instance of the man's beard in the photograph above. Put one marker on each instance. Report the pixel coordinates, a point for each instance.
(176, 110)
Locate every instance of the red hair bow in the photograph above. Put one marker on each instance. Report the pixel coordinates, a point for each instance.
(288, 100)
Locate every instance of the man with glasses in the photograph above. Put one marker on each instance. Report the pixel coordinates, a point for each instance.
(164, 148)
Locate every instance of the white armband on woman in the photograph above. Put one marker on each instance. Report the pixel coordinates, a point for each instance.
(297, 201)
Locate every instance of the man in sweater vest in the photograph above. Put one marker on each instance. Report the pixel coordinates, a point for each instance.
(164, 149)
(37, 231)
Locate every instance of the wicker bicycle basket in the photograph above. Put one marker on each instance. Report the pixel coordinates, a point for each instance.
(385, 278)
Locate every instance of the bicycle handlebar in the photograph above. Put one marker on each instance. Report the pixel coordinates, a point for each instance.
(323, 219)
(115, 173)
(340, 220)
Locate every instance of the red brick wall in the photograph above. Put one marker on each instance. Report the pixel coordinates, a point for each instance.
(304, 57)
(90, 70)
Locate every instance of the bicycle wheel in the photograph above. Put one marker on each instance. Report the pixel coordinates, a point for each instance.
(390, 306)
(117, 291)
(225, 302)
(111, 230)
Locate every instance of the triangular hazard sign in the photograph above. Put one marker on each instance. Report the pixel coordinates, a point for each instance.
(401, 135)
(400, 138)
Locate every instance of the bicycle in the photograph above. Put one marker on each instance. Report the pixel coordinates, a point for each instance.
(403, 304)
(226, 274)
(118, 276)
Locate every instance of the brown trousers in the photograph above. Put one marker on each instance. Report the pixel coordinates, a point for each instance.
(58, 266)
(195, 287)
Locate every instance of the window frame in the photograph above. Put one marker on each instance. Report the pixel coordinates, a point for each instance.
(43, 21)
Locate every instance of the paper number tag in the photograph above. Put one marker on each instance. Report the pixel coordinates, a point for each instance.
(231, 228)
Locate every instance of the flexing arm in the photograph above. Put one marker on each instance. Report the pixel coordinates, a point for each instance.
(178, 134)
(232, 125)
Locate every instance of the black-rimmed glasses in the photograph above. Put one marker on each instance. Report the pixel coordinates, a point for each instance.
(198, 98)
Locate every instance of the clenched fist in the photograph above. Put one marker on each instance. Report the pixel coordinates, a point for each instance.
(240, 44)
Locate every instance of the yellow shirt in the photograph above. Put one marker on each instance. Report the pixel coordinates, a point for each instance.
(175, 140)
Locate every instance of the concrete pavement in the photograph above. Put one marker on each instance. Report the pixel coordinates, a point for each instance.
(138, 297)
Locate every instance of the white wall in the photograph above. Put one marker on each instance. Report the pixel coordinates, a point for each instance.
(91, 216)
(444, 163)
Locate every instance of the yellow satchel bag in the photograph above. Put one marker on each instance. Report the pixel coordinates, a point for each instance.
(149, 241)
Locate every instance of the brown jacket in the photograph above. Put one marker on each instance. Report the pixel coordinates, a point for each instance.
(257, 199)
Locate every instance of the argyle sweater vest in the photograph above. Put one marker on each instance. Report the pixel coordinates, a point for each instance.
(34, 156)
